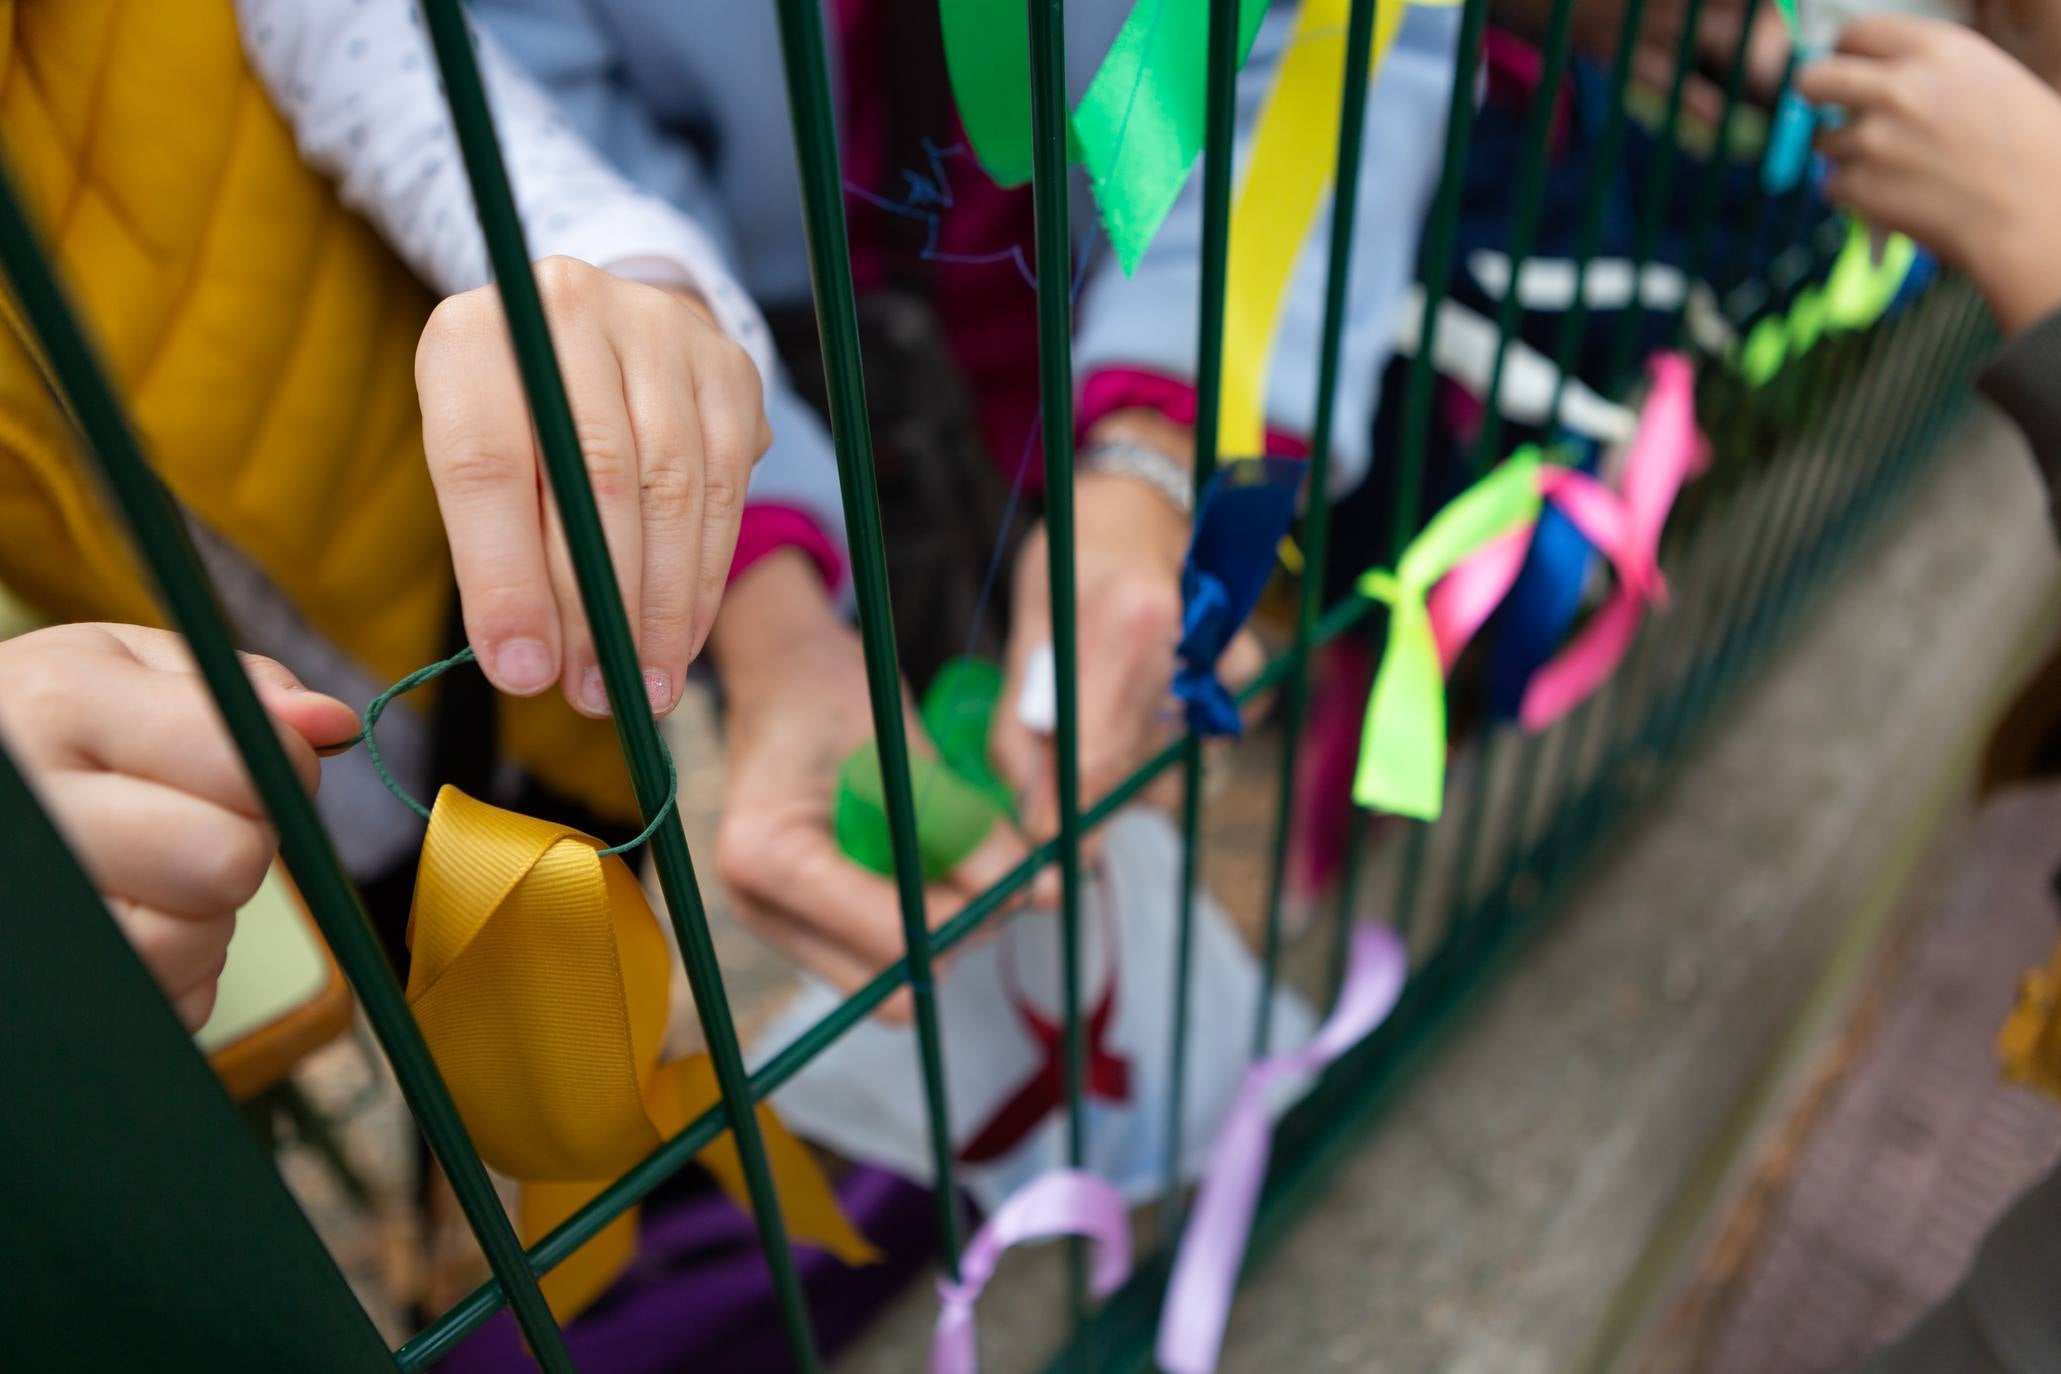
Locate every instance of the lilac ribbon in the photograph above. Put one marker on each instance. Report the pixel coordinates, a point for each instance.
(1205, 1274)
(1059, 1202)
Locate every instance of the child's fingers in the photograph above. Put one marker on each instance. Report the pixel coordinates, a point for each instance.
(675, 483)
(161, 847)
(483, 465)
(183, 954)
(1852, 83)
(1886, 35)
(731, 407)
(608, 448)
(839, 919)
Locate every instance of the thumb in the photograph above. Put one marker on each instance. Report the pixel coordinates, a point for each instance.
(316, 717)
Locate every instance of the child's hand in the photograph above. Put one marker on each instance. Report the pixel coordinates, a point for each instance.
(1954, 143)
(795, 681)
(671, 420)
(115, 731)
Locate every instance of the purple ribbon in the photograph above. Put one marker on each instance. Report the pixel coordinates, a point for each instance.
(1205, 1274)
(1060, 1202)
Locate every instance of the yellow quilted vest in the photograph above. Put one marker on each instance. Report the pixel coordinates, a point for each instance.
(262, 336)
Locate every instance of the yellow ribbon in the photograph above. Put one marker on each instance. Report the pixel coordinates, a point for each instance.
(1292, 163)
(539, 977)
(2030, 1042)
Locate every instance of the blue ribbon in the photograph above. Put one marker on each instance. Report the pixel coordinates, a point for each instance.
(1789, 144)
(1244, 514)
(1542, 606)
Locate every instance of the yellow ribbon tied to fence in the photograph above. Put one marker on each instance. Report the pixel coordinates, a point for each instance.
(539, 978)
(1289, 171)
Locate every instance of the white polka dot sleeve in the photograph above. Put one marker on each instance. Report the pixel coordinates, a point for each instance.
(357, 82)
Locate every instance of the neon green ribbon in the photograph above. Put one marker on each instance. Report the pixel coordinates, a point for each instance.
(1138, 128)
(1403, 748)
(1856, 294)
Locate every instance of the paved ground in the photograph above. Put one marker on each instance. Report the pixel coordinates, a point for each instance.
(1867, 1211)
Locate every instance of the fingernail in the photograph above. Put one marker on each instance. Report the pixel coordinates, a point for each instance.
(594, 692)
(523, 666)
(659, 688)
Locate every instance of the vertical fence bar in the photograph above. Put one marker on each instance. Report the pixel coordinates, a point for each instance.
(1220, 95)
(167, 550)
(615, 649)
(1055, 408)
(1407, 516)
(1530, 194)
(1316, 541)
(837, 322)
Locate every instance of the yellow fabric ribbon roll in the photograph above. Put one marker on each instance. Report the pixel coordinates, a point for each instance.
(540, 979)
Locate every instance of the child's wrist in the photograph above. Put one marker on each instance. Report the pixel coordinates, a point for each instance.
(2018, 274)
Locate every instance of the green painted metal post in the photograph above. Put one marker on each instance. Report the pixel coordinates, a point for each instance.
(614, 647)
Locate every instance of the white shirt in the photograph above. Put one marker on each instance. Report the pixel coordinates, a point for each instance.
(357, 81)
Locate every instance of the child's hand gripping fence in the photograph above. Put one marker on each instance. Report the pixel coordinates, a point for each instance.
(1510, 840)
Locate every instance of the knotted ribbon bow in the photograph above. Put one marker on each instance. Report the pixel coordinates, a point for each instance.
(1403, 747)
(539, 978)
(1205, 1273)
(1061, 1202)
(1624, 526)
(1245, 511)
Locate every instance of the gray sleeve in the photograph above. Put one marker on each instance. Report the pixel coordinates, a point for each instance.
(2024, 380)
(1148, 320)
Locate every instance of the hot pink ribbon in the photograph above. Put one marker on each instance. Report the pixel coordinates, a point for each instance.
(1060, 1202)
(1205, 1273)
(1666, 450)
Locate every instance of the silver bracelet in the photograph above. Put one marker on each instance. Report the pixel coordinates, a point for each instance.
(1154, 467)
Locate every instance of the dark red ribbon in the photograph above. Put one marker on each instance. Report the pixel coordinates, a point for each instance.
(1108, 1074)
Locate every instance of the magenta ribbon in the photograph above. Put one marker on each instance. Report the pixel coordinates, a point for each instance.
(1666, 450)
(1059, 1202)
(1205, 1273)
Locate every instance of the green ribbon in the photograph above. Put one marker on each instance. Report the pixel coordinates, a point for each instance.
(958, 797)
(1138, 128)
(1855, 294)
(1403, 748)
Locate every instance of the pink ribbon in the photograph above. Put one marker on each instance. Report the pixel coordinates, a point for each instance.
(1205, 1273)
(1060, 1202)
(1666, 450)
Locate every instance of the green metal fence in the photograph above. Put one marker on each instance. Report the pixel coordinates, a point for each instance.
(143, 1229)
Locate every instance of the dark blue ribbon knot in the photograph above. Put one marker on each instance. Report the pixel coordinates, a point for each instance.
(1244, 514)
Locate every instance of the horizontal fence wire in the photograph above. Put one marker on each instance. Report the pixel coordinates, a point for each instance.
(1806, 466)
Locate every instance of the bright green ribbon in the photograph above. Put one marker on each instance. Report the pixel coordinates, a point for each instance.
(958, 797)
(1855, 294)
(1403, 748)
(1138, 128)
